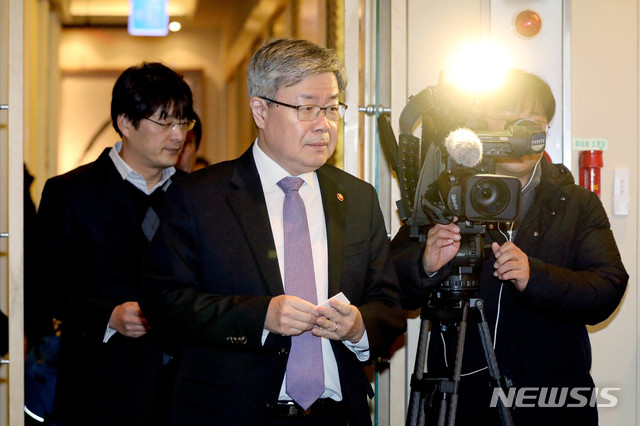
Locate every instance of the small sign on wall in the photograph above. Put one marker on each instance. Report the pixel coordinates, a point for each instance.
(590, 144)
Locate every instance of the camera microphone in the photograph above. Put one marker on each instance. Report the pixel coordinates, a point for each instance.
(464, 147)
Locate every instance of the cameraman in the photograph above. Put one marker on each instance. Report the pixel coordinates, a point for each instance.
(553, 271)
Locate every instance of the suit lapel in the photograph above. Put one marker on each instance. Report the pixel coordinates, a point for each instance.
(334, 205)
(249, 206)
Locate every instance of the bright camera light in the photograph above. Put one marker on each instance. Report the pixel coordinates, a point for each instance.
(175, 26)
(479, 67)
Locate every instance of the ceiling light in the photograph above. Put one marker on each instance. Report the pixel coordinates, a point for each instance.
(148, 18)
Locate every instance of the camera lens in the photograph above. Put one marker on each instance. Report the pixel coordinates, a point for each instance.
(490, 196)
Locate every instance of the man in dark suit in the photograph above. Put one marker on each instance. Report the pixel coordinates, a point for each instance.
(220, 275)
(95, 223)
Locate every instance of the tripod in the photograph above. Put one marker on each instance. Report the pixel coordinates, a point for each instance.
(424, 388)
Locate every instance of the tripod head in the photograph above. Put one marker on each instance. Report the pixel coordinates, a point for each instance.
(449, 306)
(463, 281)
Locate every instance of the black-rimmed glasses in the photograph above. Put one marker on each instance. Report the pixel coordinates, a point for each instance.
(173, 124)
(311, 112)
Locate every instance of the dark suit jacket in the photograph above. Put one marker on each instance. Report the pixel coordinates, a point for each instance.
(92, 244)
(4, 334)
(212, 269)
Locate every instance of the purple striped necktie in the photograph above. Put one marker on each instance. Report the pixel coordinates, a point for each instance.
(305, 370)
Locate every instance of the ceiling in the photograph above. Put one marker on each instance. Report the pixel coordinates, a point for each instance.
(226, 15)
(242, 20)
(116, 12)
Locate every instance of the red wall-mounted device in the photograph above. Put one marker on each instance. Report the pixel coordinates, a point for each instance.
(590, 164)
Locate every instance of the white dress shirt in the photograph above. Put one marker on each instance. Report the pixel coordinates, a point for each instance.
(270, 174)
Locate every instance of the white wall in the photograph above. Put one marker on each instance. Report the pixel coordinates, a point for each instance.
(605, 105)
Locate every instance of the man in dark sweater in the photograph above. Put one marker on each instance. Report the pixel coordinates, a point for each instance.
(551, 272)
(95, 223)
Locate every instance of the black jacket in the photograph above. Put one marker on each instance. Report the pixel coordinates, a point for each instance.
(576, 278)
(92, 245)
(211, 272)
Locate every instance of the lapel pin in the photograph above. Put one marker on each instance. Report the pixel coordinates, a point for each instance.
(340, 197)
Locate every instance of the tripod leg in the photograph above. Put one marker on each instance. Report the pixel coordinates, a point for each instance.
(457, 368)
(416, 400)
(492, 361)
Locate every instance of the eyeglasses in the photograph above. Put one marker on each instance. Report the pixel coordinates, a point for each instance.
(311, 112)
(172, 125)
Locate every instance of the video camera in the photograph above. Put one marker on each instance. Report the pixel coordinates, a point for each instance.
(449, 171)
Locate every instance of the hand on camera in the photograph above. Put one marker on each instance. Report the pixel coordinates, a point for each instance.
(443, 243)
(512, 264)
